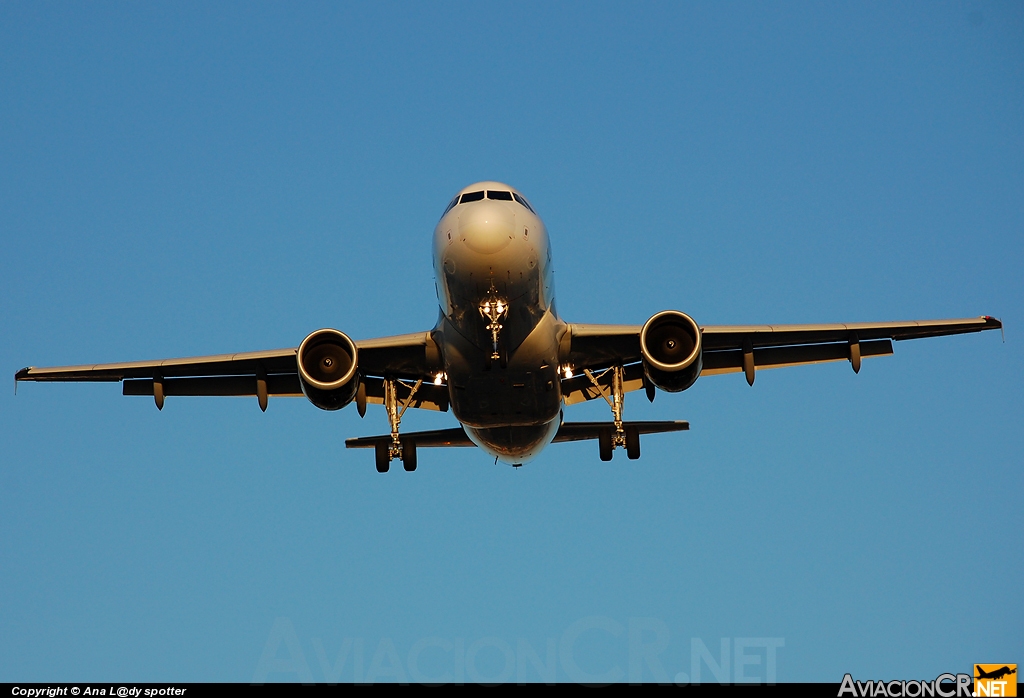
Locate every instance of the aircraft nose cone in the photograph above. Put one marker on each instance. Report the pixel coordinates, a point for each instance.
(487, 227)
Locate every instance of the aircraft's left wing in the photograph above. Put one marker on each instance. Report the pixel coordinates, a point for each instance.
(746, 348)
(263, 374)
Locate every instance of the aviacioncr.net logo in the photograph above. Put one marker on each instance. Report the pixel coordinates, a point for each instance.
(944, 686)
(995, 680)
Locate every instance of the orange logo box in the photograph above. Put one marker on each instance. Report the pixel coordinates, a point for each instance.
(995, 680)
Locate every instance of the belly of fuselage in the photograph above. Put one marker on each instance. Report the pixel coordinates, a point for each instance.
(506, 393)
(510, 411)
(514, 444)
(521, 388)
(505, 398)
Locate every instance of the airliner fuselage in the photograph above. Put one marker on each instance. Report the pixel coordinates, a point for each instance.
(495, 286)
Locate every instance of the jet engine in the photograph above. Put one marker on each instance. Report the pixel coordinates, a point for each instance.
(327, 361)
(670, 344)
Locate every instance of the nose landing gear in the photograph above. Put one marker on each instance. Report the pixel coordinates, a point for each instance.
(493, 308)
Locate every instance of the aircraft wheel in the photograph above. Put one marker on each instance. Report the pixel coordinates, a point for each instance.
(604, 442)
(409, 455)
(632, 443)
(383, 457)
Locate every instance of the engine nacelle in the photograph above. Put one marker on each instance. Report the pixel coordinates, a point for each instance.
(327, 361)
(670, 344)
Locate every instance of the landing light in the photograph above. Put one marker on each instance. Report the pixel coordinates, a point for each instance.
(567, 370)
(438, 378)
(493, 309)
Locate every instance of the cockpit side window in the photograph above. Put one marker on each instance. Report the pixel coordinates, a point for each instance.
(451, 205)
(499, 195)
(471, 196)
(524, 203)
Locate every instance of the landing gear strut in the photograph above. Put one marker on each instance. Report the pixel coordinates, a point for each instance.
(493, 308)
(619, 436)
(404, 449)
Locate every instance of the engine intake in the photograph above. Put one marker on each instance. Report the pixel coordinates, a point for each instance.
(327, 361)
(670, 344)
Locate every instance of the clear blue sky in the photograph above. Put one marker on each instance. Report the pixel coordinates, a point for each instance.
(184, 179)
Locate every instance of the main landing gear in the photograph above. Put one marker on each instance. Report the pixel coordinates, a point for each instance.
(404, 449)
(619, 435)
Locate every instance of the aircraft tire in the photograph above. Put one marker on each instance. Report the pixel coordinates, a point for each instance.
(382, 457)
(604, 442)
(632, 443)
(409, 455)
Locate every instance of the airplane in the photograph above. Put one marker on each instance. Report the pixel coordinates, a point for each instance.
(996, 674)
(500, 356)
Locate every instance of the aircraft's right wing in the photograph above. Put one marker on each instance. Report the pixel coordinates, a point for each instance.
(262, 374)
(746, 348)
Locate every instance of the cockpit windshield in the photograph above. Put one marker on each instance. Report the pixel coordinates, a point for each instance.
(524, 203)
(495, 195)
